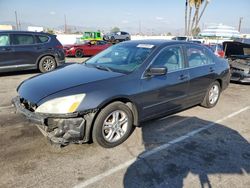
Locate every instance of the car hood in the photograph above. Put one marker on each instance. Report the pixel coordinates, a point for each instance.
(37, 88)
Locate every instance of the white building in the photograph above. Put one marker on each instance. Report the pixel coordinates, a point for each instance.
(220, 30)
(35, 28)
(6, 27)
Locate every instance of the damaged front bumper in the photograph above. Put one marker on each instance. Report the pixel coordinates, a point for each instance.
(240, 76)
(60, 129)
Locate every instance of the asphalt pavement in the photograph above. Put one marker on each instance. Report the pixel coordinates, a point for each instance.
(195, 148)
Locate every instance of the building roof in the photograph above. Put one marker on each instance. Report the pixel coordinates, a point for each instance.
(220, 30)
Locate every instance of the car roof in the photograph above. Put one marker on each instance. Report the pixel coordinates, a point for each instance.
(160, 42)
(23, 32)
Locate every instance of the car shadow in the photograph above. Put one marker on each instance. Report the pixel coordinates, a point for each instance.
(216, 150)
(23, 72)
(20, 72)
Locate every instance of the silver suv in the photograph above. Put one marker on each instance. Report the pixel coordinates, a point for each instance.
(117, 36)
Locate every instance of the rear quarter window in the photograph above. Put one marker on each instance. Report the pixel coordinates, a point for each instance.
(42, 38)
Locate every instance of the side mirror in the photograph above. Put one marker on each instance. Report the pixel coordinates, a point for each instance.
(155, 71)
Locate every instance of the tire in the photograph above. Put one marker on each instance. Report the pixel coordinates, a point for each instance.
(112, 38)
(212, 95)
(78, 53)
(127, 39)
(47, 63)
(113, 125)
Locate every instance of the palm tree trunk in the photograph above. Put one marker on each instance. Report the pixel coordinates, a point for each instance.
(194, 18)
(202, 12)
(189, 20)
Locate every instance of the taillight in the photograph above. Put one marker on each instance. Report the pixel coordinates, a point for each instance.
(59, 46)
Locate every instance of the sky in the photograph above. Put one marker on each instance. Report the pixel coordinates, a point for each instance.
(133, 15)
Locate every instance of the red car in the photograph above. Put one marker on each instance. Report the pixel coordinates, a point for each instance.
(88, 48)
(217, 49)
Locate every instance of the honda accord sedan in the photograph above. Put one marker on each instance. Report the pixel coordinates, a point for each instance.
(121, 87)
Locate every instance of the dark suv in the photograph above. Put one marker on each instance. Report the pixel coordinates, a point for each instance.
(22, 50)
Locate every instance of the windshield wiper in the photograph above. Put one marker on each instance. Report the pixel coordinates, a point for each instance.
(103, 68)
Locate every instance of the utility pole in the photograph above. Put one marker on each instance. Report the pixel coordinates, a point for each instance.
(19, 25)
(239, 28)
(65, 24)
(16, 20)
(139, 27)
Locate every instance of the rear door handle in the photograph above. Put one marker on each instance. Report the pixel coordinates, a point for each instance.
(38, 47)
(183, 77)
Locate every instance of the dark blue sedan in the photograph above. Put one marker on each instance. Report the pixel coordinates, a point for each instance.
(131, 82)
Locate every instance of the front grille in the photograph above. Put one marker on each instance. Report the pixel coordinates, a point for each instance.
(28, 105)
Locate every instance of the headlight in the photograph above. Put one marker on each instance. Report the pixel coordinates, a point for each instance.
(61, 105)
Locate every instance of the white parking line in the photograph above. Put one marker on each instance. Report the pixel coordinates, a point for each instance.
(6, 107)
(155, 150)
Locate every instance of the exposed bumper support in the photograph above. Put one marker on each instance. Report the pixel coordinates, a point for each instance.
(71, 128)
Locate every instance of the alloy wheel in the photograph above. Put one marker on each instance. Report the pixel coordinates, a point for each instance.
(115, 126)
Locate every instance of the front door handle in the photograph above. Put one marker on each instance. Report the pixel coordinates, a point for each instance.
(211, 69)
(6, 49)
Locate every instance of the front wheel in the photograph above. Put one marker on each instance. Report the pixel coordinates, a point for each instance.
(113, 125)
(212, 96)
(47, 63)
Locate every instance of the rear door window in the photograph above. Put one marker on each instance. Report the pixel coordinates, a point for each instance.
(4, 40)
(198, 56)
(23, 39)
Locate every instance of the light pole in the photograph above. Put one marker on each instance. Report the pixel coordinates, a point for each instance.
(16, 20)
(239, 28)
(65, 24)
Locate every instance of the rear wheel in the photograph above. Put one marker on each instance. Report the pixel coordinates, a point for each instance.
(212, 95)
(113, 125)
(79, 53)
(47, 63)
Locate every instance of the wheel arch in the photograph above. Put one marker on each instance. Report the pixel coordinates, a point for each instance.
(132, 106)
(124, 100)
(220, 82)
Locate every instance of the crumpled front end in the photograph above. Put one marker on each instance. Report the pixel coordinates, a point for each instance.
(240, 70)
(59, 129)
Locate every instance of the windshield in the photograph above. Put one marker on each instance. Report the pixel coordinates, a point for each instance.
(123, 58)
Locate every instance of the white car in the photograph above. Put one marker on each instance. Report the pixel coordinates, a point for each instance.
(117, 36)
